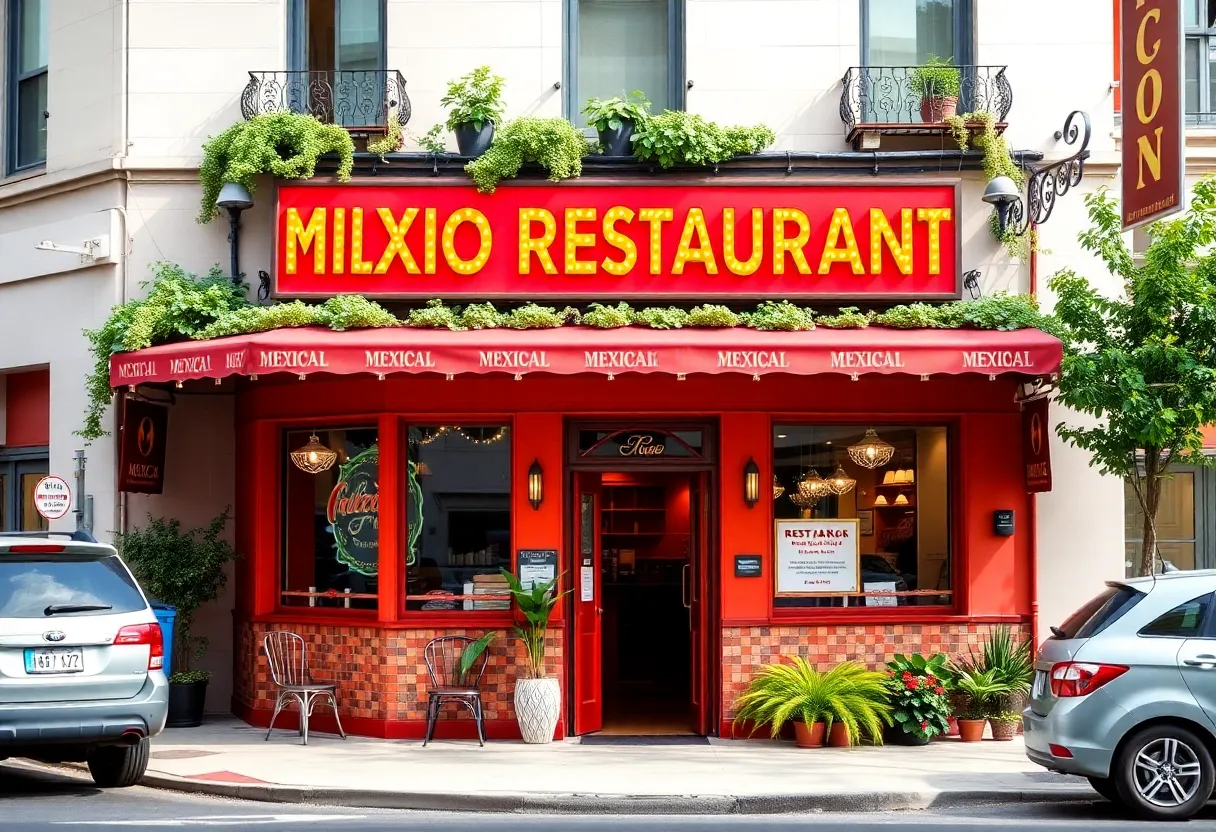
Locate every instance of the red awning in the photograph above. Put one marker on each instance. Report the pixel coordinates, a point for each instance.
(571, 350)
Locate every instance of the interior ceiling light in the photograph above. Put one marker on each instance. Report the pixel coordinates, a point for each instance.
(314, 457)
(841, 482)
(778, 488)
(871, 452)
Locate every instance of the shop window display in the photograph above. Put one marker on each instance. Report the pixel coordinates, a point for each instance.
(863, 517)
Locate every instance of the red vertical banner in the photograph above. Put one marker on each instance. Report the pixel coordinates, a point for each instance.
(1036, 446)
(1152, 94)
(145, 429)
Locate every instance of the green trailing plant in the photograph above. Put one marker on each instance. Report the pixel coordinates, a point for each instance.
(536, 605)
(553, 143)
(921, 316)
(182, 568)
(712, 315)
(391, 141)
(608, 317)
(472, 652)
(918, 696)
(434, 140)
(606, 114)
(848, 318)
(284, 145)
(998, 161)
(780, 315)
(355, 312)
(434, 316)
(248, 319)
(677, 137)
(533, 316)
(793, 690)
(662, 317)
(475, 98)
(481, 316)
(936, 78)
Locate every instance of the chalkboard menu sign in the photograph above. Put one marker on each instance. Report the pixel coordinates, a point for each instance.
(536, 566)
(747, 566)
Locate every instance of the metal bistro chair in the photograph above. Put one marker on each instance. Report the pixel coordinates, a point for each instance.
(294, 683)
(447, 685)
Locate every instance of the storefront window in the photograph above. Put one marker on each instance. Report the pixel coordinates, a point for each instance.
(1176, 530)
(458, 534)
(869, 535)
(331, 523)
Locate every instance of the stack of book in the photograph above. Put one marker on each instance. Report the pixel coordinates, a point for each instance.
(486, 585)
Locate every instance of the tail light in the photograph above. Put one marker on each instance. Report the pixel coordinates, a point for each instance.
(1082, 678)
(36, 548)
(148, 634)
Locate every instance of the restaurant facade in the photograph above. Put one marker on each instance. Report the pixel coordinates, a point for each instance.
(708, 496)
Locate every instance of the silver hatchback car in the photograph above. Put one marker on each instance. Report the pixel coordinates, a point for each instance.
(81, 657)
(1125, 694)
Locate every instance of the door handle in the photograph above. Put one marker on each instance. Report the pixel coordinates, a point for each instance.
(1204, 660)
(684, 599)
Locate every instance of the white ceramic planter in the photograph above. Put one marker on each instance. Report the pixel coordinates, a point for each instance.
(537, 705)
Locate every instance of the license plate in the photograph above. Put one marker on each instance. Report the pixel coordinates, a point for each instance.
(1040, 684)
(54, 660)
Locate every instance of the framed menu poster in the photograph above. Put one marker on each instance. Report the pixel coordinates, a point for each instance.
(817, 557)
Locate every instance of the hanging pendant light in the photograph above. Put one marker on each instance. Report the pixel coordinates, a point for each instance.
(778, 488)
(422, 470)
(840, 482)
(804, 501)
(314, 457)
(871, 452)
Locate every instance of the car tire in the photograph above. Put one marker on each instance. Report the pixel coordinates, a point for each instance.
(1105, 786)
(1164, 772)
(119, 766)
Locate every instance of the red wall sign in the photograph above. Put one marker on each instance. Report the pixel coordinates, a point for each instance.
(145, 428)
(620, 241)
(1036, 446)
(1151, 79)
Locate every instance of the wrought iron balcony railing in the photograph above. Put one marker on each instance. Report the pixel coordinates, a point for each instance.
(357, 99)
(903, 99)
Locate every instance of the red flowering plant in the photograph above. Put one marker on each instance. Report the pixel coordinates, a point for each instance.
(919, 687)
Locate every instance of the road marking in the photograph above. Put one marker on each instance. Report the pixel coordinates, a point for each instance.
(215, 820)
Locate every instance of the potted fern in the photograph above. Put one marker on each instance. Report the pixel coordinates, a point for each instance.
(538, 697)
(475, 107)
(615, 119)
(184, 569)
(937, 82)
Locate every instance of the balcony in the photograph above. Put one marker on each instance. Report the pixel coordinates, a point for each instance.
(361, 100)
(900, 100)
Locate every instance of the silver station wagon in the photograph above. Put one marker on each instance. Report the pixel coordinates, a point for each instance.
(81, 657)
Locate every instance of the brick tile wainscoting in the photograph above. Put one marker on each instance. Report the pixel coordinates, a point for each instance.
(382, 679)
(745, 649)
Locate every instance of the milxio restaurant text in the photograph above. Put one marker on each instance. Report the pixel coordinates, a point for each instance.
(619, 242)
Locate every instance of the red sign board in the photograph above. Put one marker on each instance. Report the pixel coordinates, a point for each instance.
(1151, 82)
(618, 242)
(1036, 446)
(144, 431)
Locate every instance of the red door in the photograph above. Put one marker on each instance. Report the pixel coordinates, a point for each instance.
(697, 597)
(588, 607)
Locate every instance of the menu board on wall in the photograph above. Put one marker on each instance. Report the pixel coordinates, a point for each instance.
(817, 557)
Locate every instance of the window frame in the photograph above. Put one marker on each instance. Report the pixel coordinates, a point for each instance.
(1206, 36)
(297, 36)
(1204, 502)
(12, 463)
(12, 37)
(1205, 622)
(956, 551)
(964, 32)
(677, 64)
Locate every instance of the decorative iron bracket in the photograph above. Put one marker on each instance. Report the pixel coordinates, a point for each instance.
(1046, 184)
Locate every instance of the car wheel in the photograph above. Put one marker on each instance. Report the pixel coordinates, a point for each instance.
(1105, 787)
(118, 766)
(1164, 773)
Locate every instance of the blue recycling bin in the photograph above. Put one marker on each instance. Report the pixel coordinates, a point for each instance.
(165, 616)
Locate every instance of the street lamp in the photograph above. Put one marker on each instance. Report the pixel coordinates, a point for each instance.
(235, 198)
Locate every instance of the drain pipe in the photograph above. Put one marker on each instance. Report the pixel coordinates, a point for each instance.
(1034, 498)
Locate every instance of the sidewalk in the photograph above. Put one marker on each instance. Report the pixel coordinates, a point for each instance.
(229, 758)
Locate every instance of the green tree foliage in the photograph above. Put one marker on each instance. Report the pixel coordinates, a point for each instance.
(1143, 363)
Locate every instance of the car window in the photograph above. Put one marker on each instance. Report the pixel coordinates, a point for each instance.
(1183, 621)
(1102, 611)
(28, 586)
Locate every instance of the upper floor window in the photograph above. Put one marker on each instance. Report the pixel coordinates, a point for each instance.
(338, 53)
(27, 103)
(616, 46)
(1199, 20)
(908, 33)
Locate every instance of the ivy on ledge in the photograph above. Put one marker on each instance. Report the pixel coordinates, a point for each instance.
(180, 306)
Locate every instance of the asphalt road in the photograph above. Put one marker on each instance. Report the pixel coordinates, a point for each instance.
(38, 801)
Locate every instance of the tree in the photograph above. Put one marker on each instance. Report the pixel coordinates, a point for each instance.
(1143, 363)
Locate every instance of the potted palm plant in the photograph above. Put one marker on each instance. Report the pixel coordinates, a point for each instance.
(538, 697)
(615, 119)
(184, 569)
(937, 82)
(979, 694)
(1012, 665)
(475, 107)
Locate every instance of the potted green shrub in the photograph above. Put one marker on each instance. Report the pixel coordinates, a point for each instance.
(937, 82)
(615, 119)
(474, 104)
(1011, 662)
(1005, 725)
(980, 692)
(538, 697)
(184, 569)
(920, 709)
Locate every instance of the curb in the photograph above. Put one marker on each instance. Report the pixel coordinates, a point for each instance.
(616, 804)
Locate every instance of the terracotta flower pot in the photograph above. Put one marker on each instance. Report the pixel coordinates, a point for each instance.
(971, 730)
(809, 736)
(1003, 731)
(952, 729)
(935, 110)
(839, 736)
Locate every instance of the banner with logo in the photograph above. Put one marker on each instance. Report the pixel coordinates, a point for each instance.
(354, 512)
(145, 429)
(1036, 445)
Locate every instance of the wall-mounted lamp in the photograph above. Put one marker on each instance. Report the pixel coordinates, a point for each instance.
(536, 485)
(234, 198)
(751, 483)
